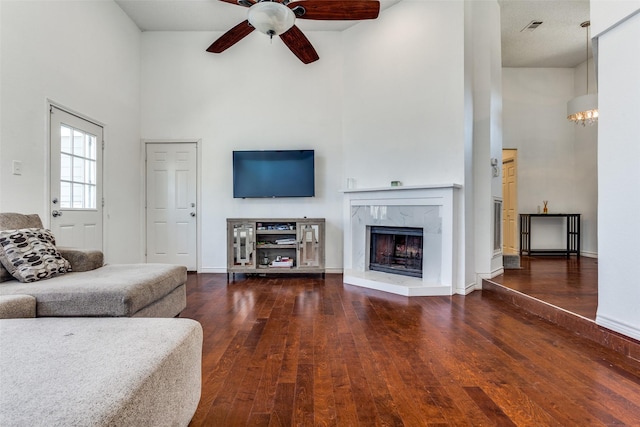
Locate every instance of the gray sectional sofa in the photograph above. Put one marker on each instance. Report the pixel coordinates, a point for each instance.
(94, 289)
(104, 349)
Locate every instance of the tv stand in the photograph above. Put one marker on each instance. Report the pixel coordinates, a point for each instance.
(275, 245)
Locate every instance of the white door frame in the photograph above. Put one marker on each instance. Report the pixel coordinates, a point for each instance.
(46, 221)
(143, 191)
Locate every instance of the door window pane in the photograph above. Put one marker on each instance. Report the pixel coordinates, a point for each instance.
(91, 150)
(65, 167)
(65, 139)
(78, 143)
(65, 194)
(89, 194)
(90, 171)
(77, 169)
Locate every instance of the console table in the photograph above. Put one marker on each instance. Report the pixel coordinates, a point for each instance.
(573, 235)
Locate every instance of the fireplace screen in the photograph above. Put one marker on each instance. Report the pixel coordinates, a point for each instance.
(396, 250)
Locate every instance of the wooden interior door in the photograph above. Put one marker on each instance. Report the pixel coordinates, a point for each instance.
(510, 201)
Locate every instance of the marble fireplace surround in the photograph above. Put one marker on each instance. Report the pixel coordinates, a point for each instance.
(430, 207)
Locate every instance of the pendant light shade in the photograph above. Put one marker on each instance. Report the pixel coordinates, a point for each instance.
(584, 109)
(271, 18)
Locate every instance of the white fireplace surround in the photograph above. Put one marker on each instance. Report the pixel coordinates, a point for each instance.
(431, 208)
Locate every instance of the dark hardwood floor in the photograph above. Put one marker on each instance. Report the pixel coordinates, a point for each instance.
(571, 284)
(283, 351)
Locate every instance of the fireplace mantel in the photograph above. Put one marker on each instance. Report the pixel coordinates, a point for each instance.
(430, 207)
(401, 188)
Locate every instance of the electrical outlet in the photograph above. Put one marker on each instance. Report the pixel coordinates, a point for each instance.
(17, 167)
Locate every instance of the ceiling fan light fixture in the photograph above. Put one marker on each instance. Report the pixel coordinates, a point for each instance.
(271, 18)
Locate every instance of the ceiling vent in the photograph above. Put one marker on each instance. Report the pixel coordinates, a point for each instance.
(531, 26)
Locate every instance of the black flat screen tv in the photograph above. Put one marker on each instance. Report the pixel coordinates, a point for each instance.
(273, 173)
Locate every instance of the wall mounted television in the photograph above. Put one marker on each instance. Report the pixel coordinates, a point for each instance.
(273, 173)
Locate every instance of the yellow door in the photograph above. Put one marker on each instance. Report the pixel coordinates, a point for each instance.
(510, 201)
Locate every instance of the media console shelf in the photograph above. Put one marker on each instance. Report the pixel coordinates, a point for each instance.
(280, 245)
(572, 235)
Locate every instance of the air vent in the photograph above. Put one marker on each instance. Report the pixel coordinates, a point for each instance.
(531, 26)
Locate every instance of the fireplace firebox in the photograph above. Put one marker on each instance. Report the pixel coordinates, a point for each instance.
(396, 250)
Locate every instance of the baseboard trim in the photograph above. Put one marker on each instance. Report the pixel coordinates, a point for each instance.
(620, 327)
(469, 287)
(213, 270)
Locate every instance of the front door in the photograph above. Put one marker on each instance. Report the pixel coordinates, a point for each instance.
(75, 179)
(171, 203)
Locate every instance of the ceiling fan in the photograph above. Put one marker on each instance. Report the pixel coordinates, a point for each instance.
(277, 18)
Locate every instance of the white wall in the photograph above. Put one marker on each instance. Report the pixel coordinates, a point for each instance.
(84, 56)
(256, 95)
(606, 13)
(619, 172)
(585, 190)
(556, 158)
(1, 97)
(404, 96)
(485, 65)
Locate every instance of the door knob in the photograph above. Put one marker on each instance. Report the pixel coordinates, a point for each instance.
(192, 214)
(56, 214)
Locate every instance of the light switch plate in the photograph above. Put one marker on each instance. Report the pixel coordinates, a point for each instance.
(17, 167)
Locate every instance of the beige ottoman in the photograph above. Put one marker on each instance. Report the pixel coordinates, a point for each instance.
(99, 371)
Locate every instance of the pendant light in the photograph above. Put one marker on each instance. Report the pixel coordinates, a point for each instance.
(584, 109)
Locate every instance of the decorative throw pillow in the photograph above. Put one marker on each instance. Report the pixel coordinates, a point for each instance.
(29, 254)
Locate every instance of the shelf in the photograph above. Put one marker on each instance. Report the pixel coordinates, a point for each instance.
(268, 267)
(293, 232)
(274, 246)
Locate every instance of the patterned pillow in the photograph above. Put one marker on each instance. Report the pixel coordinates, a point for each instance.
(29, 254)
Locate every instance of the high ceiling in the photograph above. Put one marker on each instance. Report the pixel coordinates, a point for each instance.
(558, 42)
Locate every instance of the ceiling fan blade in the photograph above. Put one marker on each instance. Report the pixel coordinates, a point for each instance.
(246, 3)
(231, 37)
(300, 45)
(336, 10)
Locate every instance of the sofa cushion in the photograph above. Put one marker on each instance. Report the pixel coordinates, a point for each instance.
(29, 254)
(82, 259)
(17, 306)
(99, 372)
(13, 221)
(113, 290)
